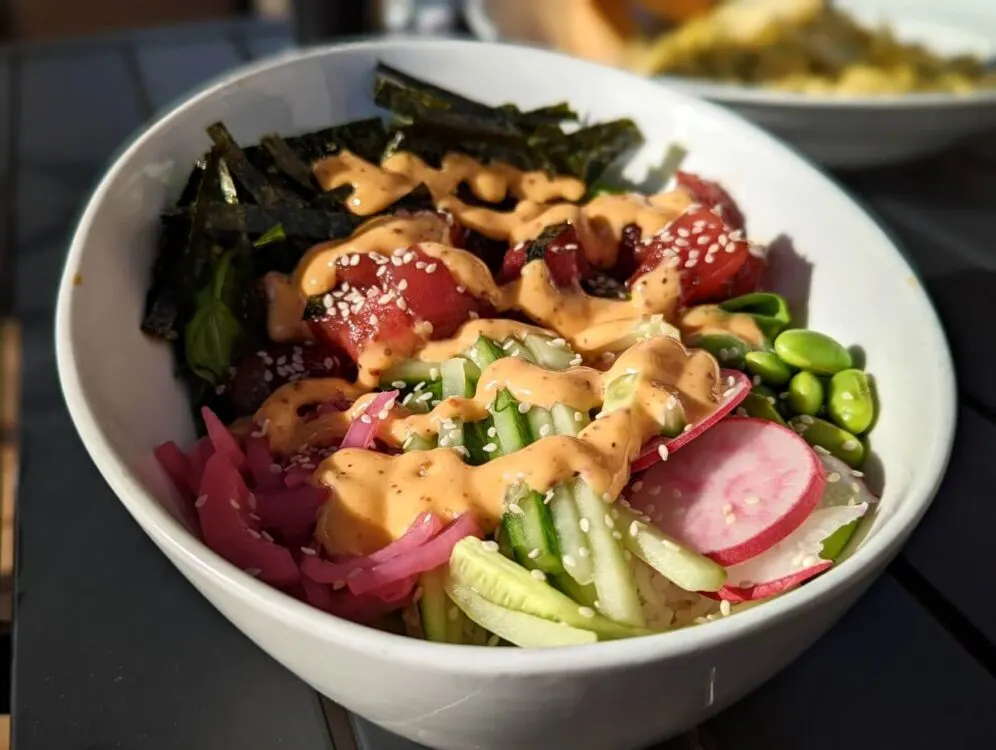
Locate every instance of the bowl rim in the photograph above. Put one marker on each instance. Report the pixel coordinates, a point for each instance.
(175, 540)
(483, 28)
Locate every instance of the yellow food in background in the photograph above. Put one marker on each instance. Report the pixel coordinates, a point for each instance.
(793, 45)
(805, 46)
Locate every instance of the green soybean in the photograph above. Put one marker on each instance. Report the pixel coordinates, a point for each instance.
(850, 402)
(770, 311)
(838, 441)
(761, 407)
(768, 367)
(805, 393)
(813, 351)
(729, 350)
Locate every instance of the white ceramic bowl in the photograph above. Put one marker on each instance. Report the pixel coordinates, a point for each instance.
(836, 131)
(609, 696)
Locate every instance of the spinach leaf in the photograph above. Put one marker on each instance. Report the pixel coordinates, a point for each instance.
(213, 335)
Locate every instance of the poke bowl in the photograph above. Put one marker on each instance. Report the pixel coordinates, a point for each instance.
(596, 370)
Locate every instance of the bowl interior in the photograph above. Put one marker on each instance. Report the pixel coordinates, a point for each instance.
(844, 275)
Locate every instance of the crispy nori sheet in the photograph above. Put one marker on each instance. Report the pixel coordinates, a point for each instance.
(234, 196)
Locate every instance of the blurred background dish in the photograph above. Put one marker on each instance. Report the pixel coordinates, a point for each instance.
(851, 83)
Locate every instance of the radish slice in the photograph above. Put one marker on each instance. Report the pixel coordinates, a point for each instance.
(738, 490)
(845, 486)
(229, 527)
(736, 386)
(177, 467)
(223, 440)
(260, 463)
(793, 560)
(422, 558)
(362, 429)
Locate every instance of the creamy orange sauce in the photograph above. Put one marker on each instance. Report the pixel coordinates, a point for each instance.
(376, 495)
(711, 319)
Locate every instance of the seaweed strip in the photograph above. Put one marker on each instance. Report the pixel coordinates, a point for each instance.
(536, 250)
(250, 178)
(366, 138)
(222, 221)
(288, 162)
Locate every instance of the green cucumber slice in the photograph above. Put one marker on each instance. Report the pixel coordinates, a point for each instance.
(529, 528)
(479, 566)
(525, 630)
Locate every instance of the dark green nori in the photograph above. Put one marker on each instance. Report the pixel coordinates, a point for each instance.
(536, 250)
(246, 211)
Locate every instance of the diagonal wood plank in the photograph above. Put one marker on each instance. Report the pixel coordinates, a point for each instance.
(263, 45)
(888, 676)
(953, 546)
(170, 71)
(114, 648)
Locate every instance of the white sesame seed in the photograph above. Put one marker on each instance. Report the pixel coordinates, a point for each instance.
(662, 452)
(586, 612)
(578, 417)
(752, 500)
(516, 509)
(725, 608)
(608, 521)
(634, 528)
(431, 268)
(850, 444)
(235, 504)
(637, 485)
(539, 575)
(731, 519)
(585, 525)
(308, 551)
(617, 536)
(533, 553)
(199, 502)
(833, 476)
(523, 408)
(544, 430)
(490, 546)
(569, 561)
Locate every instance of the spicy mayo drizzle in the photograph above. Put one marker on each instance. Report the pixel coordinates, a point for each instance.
(377, 495)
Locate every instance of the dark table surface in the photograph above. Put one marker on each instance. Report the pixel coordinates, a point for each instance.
(113, 649)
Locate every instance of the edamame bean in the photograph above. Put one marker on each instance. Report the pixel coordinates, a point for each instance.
(760, 406)
(805, 393)
(768, 367)
(850, 402)
(813, 351)
(820, 433)
(770, 311)
(729, 350)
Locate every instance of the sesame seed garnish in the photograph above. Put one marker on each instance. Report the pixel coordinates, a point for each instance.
(399, 384)
(634, 528)
(431, 268)
(516, 509)
(545, 430)
(489, 448)
(199, 502)
(586, 612)
(308, 551)
(752, 500)
(856, 473)
(569, 561)
(850, 444)
(637, 485)
(731, 519)
(523, 408)
(833, 476)
(539, 575)
(663, 453)
(235, 504)
(533, 553)
(725, 608)
(578, 417)
(266, 535)
(583, 552)
(608, 521)
(490, 546)
(585, 525)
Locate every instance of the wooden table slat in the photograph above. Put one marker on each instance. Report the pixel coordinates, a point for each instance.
(168, 72)
(953, 547)
(264, 45)
(113, 647)
(887, 676)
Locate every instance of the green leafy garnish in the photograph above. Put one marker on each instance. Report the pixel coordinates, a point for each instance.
(213, 334)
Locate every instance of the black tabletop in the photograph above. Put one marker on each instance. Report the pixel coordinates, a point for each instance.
(114, 649)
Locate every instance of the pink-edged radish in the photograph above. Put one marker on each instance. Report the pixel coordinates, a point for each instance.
(735, 387)
(793, 560)
(737, 491)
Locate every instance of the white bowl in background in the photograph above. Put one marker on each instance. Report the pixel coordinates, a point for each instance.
(620, 695)
(836, 131)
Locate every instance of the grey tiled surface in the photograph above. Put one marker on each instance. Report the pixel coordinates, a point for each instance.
(114, 649)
